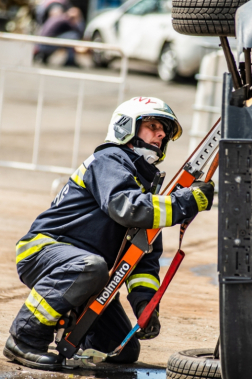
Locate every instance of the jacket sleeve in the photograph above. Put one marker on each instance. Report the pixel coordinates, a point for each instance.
(110, 178)
(144, 281)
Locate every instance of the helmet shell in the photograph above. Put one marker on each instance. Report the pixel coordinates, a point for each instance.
(134, 109)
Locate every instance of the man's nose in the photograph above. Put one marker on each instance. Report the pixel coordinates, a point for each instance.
(161, 133)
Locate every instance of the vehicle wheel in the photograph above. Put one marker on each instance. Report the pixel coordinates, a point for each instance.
(192, 364)
(167, 63)
(98, 56)
(205, 18)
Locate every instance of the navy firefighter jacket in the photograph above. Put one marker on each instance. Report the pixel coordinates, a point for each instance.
(108, 193)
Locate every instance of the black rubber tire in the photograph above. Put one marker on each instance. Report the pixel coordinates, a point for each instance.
(192, 364)
(99, 58)
(205, 17)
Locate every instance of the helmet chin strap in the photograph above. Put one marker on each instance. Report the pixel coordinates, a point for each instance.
(138, 142)
(150, 153)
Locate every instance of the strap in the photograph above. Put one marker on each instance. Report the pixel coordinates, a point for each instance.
(138, 142)
(182, 230)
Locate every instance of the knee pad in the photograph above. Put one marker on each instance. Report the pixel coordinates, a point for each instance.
(97, 269)
(89, 282)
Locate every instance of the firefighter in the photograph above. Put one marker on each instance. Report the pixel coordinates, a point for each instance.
(66, 255)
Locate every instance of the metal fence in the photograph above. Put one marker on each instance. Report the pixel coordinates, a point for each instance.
(42, 73)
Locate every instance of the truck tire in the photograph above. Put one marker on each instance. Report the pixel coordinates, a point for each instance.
(193, 364)
(205, 18)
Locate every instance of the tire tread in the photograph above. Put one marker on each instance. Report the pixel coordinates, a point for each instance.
(187, 365)
(207, 17)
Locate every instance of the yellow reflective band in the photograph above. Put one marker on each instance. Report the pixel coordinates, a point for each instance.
(144, 280)
(162, 206)
(143, 284)
(77, 176)
(168, 209)
(139, 184)
(38, 315)
(26, 248)
(41, 309)
(200, 199)
(156, 218)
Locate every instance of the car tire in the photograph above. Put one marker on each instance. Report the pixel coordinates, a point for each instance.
(208, 18)
(192, 364)
(99, 58)
(167, 63)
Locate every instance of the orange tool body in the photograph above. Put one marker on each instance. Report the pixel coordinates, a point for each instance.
(141, 244)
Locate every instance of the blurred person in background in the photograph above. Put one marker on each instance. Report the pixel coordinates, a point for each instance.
(44, 8)
(66, 256)
(59, 20)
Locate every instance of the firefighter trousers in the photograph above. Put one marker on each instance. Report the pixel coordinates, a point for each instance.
(63, 277)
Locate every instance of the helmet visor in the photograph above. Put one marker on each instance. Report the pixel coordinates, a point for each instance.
(171, 126)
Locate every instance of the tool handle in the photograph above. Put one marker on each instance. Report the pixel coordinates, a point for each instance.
(148, 310)
(212, 168)
(181, 173)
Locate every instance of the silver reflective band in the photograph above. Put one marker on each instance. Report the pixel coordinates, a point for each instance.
(89, 160)
(41, 310)
(41, 241)
(162, 207)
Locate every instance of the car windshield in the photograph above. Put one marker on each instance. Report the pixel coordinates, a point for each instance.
(144, 7)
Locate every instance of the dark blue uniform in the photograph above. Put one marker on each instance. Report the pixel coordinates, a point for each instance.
(66, 255)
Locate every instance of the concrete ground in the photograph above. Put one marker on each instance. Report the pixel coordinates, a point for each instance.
(189, 309)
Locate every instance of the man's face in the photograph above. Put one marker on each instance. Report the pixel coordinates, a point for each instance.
(152, 132)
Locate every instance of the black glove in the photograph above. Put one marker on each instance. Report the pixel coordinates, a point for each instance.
(203, 194)
(153, 328)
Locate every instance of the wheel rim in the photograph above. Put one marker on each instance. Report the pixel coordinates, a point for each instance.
(200, 353)
(207, 356)
(98, 55)
(167, 65)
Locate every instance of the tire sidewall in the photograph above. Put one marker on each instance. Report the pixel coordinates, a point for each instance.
(194, 363)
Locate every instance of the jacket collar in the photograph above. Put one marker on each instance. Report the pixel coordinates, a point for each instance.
(145, 171)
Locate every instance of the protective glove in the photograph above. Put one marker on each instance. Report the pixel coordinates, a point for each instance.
(203, 194)
(153, 328)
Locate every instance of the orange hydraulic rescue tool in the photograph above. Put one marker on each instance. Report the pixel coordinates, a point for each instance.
(141, 243)
(91, 356)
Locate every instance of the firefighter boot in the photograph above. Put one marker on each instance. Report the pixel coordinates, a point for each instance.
(16, 350)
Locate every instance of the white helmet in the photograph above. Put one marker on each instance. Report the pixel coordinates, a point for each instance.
(123, 127)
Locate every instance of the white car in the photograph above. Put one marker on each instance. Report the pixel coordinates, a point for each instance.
(143, 30)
